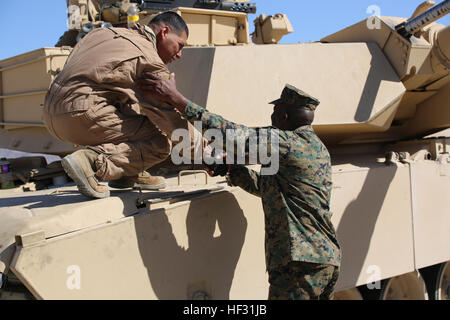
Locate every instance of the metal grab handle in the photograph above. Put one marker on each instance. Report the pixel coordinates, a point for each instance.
(194, 172)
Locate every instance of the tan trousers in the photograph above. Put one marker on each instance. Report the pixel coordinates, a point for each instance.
(127, 142)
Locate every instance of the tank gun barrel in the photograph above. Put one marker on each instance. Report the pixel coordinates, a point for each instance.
(163, 5)
(410, 27)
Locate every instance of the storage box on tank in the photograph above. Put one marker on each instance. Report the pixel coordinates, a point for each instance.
(24, 81)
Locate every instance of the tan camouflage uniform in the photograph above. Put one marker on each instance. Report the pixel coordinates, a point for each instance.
(94, 102)
(302, 251)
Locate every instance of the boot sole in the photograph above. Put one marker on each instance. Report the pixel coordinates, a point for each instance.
(150, 186)
(111, 184)
(75, 172)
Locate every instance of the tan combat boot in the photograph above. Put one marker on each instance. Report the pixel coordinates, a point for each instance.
(143, 180)
(80, 167)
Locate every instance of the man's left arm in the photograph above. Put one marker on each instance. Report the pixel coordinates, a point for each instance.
(247, 179)
(194, 112)
(253, 139)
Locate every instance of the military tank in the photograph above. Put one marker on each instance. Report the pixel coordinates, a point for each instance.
(384, 87)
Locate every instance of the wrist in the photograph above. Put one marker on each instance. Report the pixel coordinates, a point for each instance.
(180, 102)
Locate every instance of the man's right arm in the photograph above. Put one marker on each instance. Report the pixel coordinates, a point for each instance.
(250, 141)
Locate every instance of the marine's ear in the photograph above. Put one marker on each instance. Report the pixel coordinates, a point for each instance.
(165, 30)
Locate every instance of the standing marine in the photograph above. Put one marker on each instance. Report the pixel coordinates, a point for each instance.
(302, 251)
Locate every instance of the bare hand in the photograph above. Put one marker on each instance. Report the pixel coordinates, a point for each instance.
(164, 90)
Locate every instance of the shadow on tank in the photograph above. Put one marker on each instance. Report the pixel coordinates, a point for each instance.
(201, 260)
(371, 88)
(364, 212)
(44, 200)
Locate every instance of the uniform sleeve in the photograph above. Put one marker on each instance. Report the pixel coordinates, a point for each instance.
(247, 179)
(256, 141)
(210, 120)
(159, 69)
(118, 74)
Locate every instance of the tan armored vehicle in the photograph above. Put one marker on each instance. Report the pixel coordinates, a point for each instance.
(384, 88)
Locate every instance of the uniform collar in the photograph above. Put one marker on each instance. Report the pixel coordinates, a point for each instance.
(147, 32)
(299, 129)
(304, 128)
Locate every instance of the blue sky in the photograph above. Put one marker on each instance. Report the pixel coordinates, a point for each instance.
(31, 24)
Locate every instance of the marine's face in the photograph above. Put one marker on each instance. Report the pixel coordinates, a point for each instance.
(279, 116)
(170, 45)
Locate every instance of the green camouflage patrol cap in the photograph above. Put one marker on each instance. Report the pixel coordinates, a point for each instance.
(297, 98)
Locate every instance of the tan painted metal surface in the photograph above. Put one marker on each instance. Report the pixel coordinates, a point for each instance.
(25, 80)
(366, 100)
(347, 107)
(431, 210)
(212, 27)
(371, 205)
(391, 210)
(374, 225)
(22, 94)
(213, 244)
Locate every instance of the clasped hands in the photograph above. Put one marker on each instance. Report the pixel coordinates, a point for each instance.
(162, 89)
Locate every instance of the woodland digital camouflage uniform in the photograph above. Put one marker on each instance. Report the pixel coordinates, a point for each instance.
(303, 281)
(296, 202)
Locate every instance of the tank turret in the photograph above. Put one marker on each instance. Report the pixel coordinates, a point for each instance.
(85, 16)
(418, 51)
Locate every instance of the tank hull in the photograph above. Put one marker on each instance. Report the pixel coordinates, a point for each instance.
(386, 216)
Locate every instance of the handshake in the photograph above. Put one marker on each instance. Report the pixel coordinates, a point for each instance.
(218, 169)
